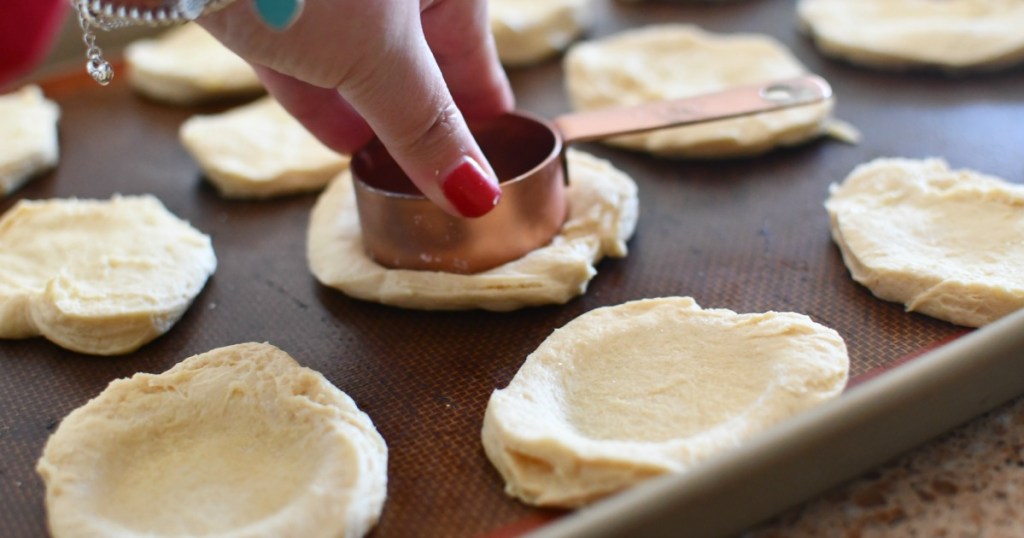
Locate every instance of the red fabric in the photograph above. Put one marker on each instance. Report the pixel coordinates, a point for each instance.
(27, 31)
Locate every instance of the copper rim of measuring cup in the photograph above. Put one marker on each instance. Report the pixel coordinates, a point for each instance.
(403, 229)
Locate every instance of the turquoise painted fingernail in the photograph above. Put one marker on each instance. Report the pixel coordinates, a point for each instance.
(278, 14)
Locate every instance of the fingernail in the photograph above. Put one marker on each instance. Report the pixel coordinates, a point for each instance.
(469, 190)
(278, 14)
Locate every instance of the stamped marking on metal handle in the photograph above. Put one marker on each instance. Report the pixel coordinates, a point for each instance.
(788, 93)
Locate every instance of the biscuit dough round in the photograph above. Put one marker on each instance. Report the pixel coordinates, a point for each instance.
(28, 137)
(529, 31)
(258, 150)
(101, 277)
(238, 441)
(946, 243)
(649, 387)
(674, 61)
(603, 210)
(948, 34)
(186, 66)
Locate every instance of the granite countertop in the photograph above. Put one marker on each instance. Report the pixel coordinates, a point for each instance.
(968, 482)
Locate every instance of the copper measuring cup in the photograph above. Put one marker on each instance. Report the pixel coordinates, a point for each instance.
(401, 228)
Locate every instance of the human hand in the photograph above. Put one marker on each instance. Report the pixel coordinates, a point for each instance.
(349, 69)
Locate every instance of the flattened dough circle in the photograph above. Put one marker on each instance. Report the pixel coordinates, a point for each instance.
(259, 151)
(529, 31)
(603, 210)
(673, 61)
(187, 66)
(627, 392)
(101, 277)
(946, 243)
(238, 441)
(948, 34)
(28, 137)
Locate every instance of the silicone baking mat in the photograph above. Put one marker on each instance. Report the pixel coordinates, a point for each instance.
(749, 234)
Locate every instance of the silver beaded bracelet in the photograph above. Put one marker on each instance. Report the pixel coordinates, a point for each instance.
(111, 14)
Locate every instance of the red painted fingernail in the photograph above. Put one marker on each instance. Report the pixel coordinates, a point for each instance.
(469, 190)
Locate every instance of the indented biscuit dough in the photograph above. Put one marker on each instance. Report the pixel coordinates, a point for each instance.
(259, 151)
(946, 243)
(528, 31)
(187, 65)
(603, 210)
(239, 441)
(101, 277)
(674, 61)
(28, 137)
(655, 386)
(947, 34)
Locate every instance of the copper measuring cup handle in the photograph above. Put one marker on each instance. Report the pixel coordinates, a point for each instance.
(732, 103)
(403, 229)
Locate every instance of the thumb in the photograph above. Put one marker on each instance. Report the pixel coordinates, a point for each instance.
(404, 99)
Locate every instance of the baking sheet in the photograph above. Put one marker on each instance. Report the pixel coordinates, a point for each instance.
(748, 234)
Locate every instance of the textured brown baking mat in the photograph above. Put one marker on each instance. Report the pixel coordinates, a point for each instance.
(750, 235)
